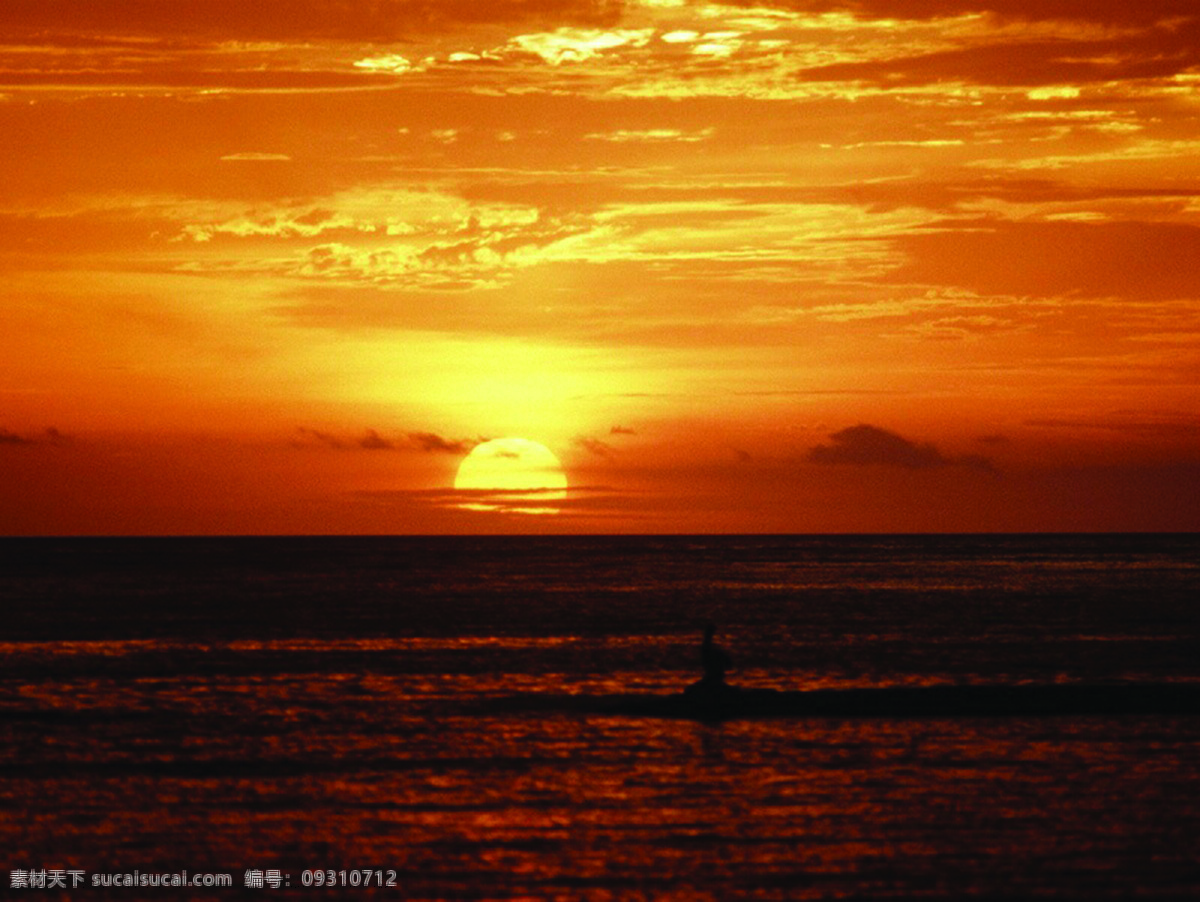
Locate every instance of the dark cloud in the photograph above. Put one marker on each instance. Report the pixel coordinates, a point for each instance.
(621, 430)
(101, 22)
(424, 442)
(1108, 11)
(11, 438)
(432, 443)
(373, 441)
(378, 20)
(1159, 54)
(865, 445)
(50, 436)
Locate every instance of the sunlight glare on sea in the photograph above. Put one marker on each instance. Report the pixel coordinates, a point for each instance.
(426, 706)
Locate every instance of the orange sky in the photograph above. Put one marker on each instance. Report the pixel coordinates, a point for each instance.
(791, 266)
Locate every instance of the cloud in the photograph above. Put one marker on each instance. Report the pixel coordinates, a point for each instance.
(598, 47)
(379, 20)
(256, 157)
(651, 136)
(11, 438)
(621, 430)
(373, 441)
(324, 438)
(50, 436)
(1110, 11)
(1163, 425)
(431, 443)
(232, 79)
(450, 245)
(865, 446)
(392, 62)
(591, 501)
(1029, 57)
(282, 223)
(595, 446)
(265, 45)
(1144, 260)
(575, 45)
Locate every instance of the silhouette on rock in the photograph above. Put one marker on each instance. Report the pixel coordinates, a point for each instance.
(711, 696)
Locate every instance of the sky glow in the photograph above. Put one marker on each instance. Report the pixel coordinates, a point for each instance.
(790, 266)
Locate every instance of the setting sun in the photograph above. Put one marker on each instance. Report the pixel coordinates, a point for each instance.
(511, 474)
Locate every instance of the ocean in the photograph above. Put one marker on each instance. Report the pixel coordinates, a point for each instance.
(449, 718)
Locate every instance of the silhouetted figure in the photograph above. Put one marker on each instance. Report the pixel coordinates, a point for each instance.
(710, 696)
(714, 659)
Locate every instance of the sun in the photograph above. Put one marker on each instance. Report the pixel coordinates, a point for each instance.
(511, 474)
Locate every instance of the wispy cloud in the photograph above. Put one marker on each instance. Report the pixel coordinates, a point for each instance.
(392, 62)
(1102, 11)
(1170, 425)
(257, 157)
(1048, 61)
(583, 501)
(1129, 259)
(576, 45)
(321, 438)
(652, 136)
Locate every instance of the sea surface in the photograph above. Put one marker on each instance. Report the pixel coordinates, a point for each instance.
(300, 711)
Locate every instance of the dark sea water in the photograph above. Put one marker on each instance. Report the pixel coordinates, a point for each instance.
(419, 707)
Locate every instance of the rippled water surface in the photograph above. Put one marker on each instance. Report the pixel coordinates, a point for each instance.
(219, 705)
